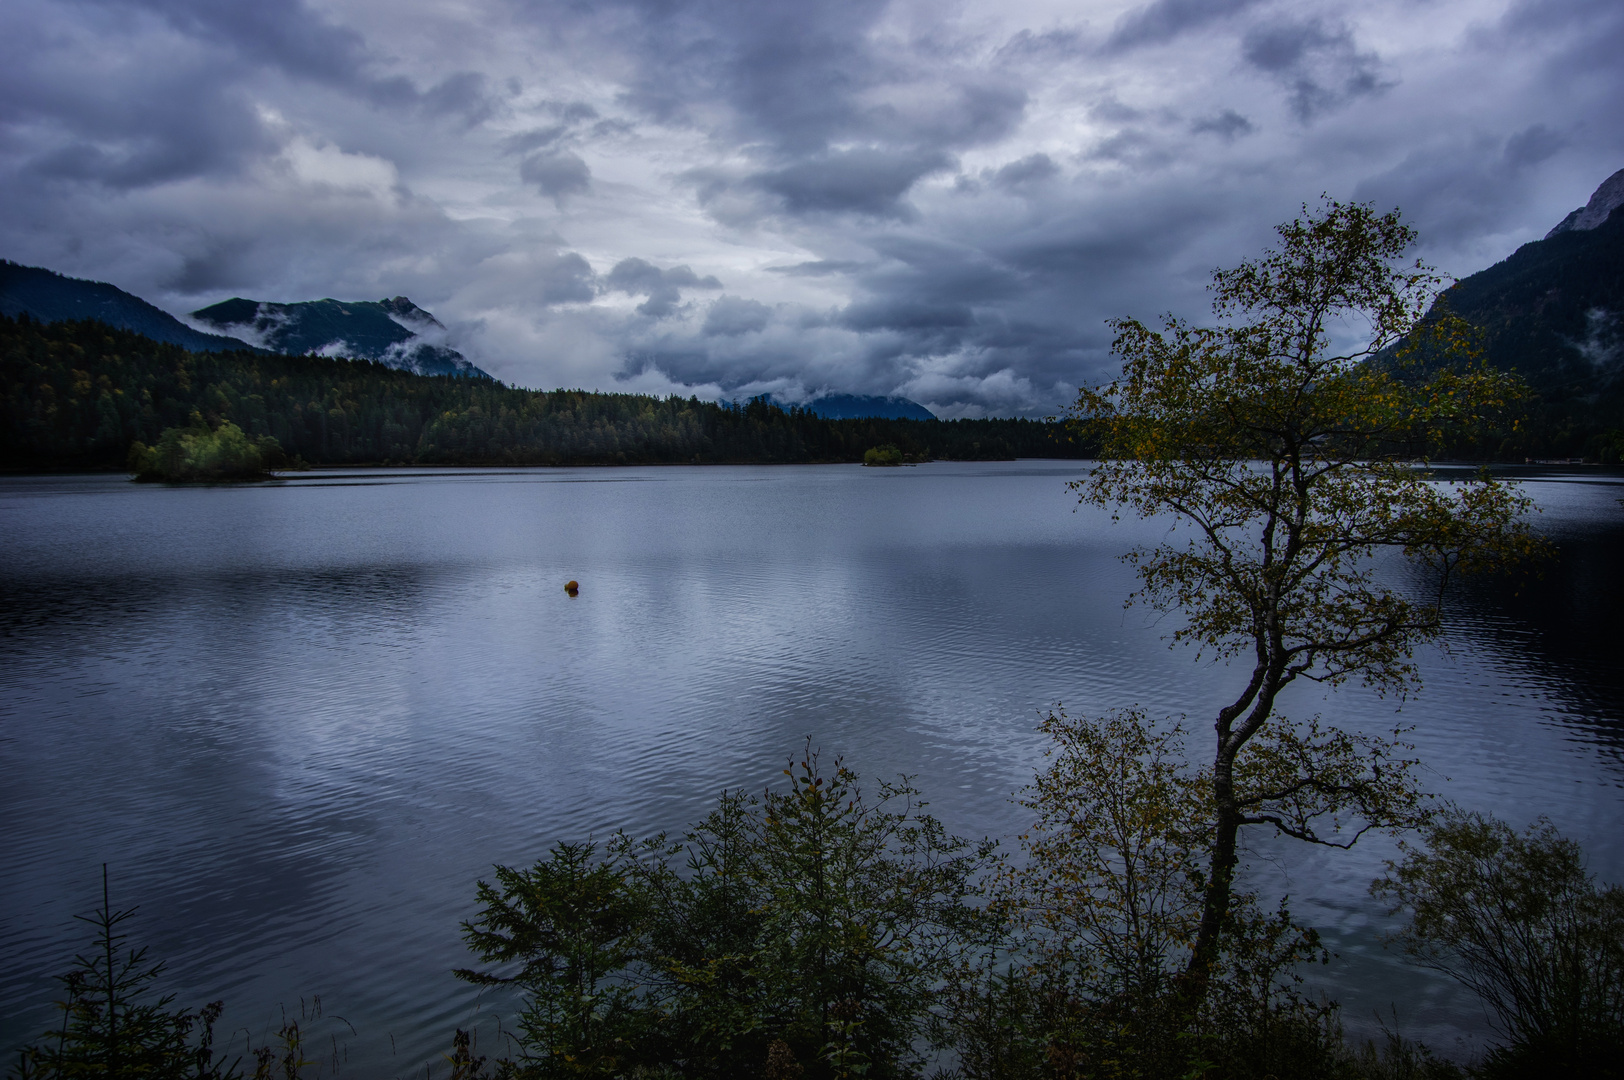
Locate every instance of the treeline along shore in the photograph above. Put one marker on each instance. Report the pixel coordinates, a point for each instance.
(79, 395)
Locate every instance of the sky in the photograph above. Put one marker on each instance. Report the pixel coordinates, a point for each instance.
(941, 200)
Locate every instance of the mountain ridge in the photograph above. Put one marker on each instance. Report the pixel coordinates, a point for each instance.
(1553, 311)
(854, 406)
(1607, 198)
(51, 297)
(393, 331)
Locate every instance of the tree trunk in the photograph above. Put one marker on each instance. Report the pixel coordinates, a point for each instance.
(1215, 898)
(1260, 693)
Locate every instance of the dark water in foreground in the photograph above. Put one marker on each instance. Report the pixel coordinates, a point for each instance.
(299, 720)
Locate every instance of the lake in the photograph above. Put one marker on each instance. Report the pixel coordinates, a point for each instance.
(298, 721)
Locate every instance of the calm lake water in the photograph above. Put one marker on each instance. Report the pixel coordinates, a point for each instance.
(299, 720)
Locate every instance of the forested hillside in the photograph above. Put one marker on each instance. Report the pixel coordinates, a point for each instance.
(1552, 312)
(79, 394)
(51, 297)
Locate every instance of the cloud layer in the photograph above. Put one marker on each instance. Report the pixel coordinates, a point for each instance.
(939, 200)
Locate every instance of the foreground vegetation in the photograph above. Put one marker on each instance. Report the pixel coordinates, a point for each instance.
(80, 395)
(821, 930)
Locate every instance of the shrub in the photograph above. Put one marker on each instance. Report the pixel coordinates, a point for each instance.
(1105, 910)
(1516, 919)
(807, 932)
(108, 1030)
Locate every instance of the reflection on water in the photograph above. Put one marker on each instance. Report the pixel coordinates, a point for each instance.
(299, 720)
(1562, 630)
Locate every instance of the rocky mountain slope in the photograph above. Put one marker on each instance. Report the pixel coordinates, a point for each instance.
(1607, 198)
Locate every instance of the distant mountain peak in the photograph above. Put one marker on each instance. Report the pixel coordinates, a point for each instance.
(1607, 198)
(395, 331)
(853, 406)
(858, 406)
(402, 308)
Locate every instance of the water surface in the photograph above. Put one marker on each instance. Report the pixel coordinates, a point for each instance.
(299, 720)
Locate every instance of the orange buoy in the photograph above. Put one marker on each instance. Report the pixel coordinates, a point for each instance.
(572, 587)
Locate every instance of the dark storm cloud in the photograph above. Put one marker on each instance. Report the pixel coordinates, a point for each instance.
(690, 366)
(895, 313)
(867, 181)
(838, 121)
(1533, 145)
(1032, 169)
(818, 268)
(219, 267)
(563, 277)
(161, 135)
(169, 103)
(730, 316)
(1032, 301)
(1460, 187)
(798, 76)
(122, 121)
(1318, 63)
(809, 87)
(1165, 20)
(291, 37)
(542, 274)
(556, 173)
(944, 201)
(638, 277)
(1002, 324)
(1228, 125)
(464, 94)
(286, 34)
(1589, 34)
(788, 70)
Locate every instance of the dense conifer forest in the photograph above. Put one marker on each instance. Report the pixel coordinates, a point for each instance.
(79, 395)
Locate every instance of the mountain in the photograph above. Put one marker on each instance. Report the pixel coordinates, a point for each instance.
(50, 297)
(1554, 312)
(853, 407)
(863, 406)
(1607, 198)
(394, 332)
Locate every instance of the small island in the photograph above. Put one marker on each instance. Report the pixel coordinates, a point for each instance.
(198, 454)
(889, 454)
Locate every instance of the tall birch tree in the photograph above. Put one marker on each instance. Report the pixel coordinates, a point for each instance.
(1286, 446)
